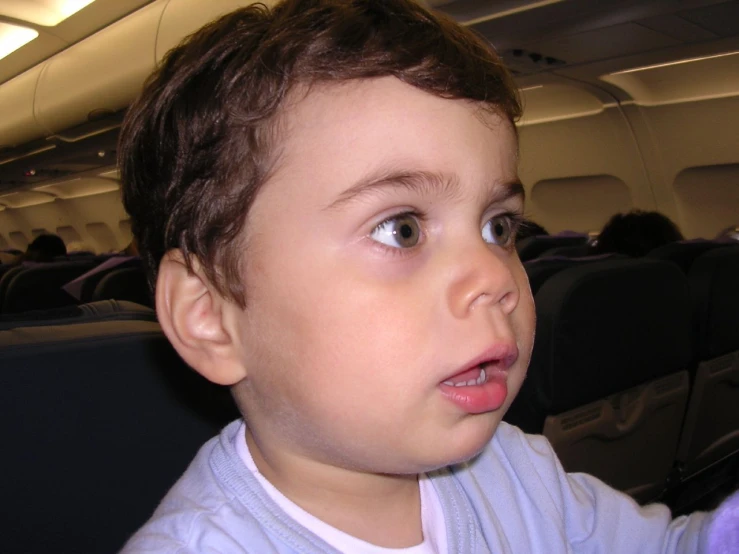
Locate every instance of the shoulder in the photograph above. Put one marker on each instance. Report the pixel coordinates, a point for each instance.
(200, 513)
(518, 481)
(520, 456)
(521, 465)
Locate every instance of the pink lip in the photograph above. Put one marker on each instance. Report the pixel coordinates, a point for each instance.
(502, 356)
(489, 395)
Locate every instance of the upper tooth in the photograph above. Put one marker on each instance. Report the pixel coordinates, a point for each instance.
(479, 381)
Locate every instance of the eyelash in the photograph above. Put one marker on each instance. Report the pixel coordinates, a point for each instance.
(420, 217)
(515, 218)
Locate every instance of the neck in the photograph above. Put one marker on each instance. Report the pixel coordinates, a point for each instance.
(384, 510)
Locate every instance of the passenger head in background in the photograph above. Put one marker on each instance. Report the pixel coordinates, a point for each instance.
(636, 233)
(45, 248)
(529, 228)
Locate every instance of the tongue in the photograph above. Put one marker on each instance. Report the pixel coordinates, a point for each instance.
(469, 375)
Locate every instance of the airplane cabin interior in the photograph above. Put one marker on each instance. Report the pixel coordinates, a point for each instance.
(628, 105)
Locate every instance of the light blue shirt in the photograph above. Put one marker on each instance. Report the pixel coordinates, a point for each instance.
(512, 498)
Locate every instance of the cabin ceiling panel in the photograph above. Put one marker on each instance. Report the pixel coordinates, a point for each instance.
(678, 28)
(128, 46)
(94, 155)
(39, 49)
(721, 19)
(183, 17)
(610, 42)
(557, 101)
(714, 77)
(24, 199)
(97, 15)
(584, 31)
(77, 188)
(52, 40)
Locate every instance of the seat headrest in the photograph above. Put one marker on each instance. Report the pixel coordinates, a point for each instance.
(684, 252)
(608, 326)
(714, 283)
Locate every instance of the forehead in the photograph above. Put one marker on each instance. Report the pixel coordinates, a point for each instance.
(336, 134)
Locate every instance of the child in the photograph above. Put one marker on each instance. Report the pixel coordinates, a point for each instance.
(326, 196)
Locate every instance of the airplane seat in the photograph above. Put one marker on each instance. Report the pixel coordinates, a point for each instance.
(574, 251)
(533, 247)
(6, 275)
(88, 286)
(100, 418)
(128, 283)
(711, 431)
(607, 383)
(82, 313)
(684, 252)
(540, 269)
(39, 286)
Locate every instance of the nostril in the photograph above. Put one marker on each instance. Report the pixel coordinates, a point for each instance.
(508, 301)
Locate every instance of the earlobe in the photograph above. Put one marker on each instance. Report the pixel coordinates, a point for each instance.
(193, 315)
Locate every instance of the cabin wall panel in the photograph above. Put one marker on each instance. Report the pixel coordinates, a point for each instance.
(79, 219)
(578, 149)
(678, 137)
(595, 199)
(707, 199)
(71, 238)
(19, 240)
(99, 209)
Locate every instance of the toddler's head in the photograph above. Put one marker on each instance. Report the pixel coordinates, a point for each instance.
(326, 196)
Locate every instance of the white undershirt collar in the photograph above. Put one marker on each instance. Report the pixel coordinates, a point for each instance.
(432, 516)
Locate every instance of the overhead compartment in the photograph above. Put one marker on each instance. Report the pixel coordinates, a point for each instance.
(17, 122)
(183, 17)
(98, 76)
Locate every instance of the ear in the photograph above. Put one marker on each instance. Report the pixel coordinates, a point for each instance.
(198, 321)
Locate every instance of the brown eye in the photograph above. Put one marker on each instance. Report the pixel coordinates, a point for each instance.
(401, 231)
(498, 230)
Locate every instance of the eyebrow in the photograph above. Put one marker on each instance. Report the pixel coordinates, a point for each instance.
(422, 182)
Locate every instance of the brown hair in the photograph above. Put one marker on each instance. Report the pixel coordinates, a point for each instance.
(196, 146)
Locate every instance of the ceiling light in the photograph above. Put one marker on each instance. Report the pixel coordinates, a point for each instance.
(13, 37)
(677, 62)
(42, 12)
(531, 88)
(511, 11)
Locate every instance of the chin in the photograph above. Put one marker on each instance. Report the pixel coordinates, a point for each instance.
(471, 440)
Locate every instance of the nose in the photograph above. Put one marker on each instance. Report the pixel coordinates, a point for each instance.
(484, 276)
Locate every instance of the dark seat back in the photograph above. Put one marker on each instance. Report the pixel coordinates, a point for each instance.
(540, 270)
(36, 287)
(99, 419)
(532, 247)
(607, 382)
(90, 283)
(712, 421)
(128, 283)
(683, 253)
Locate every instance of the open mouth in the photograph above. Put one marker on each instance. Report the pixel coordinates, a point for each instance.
(475, 376)
(482, 385)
